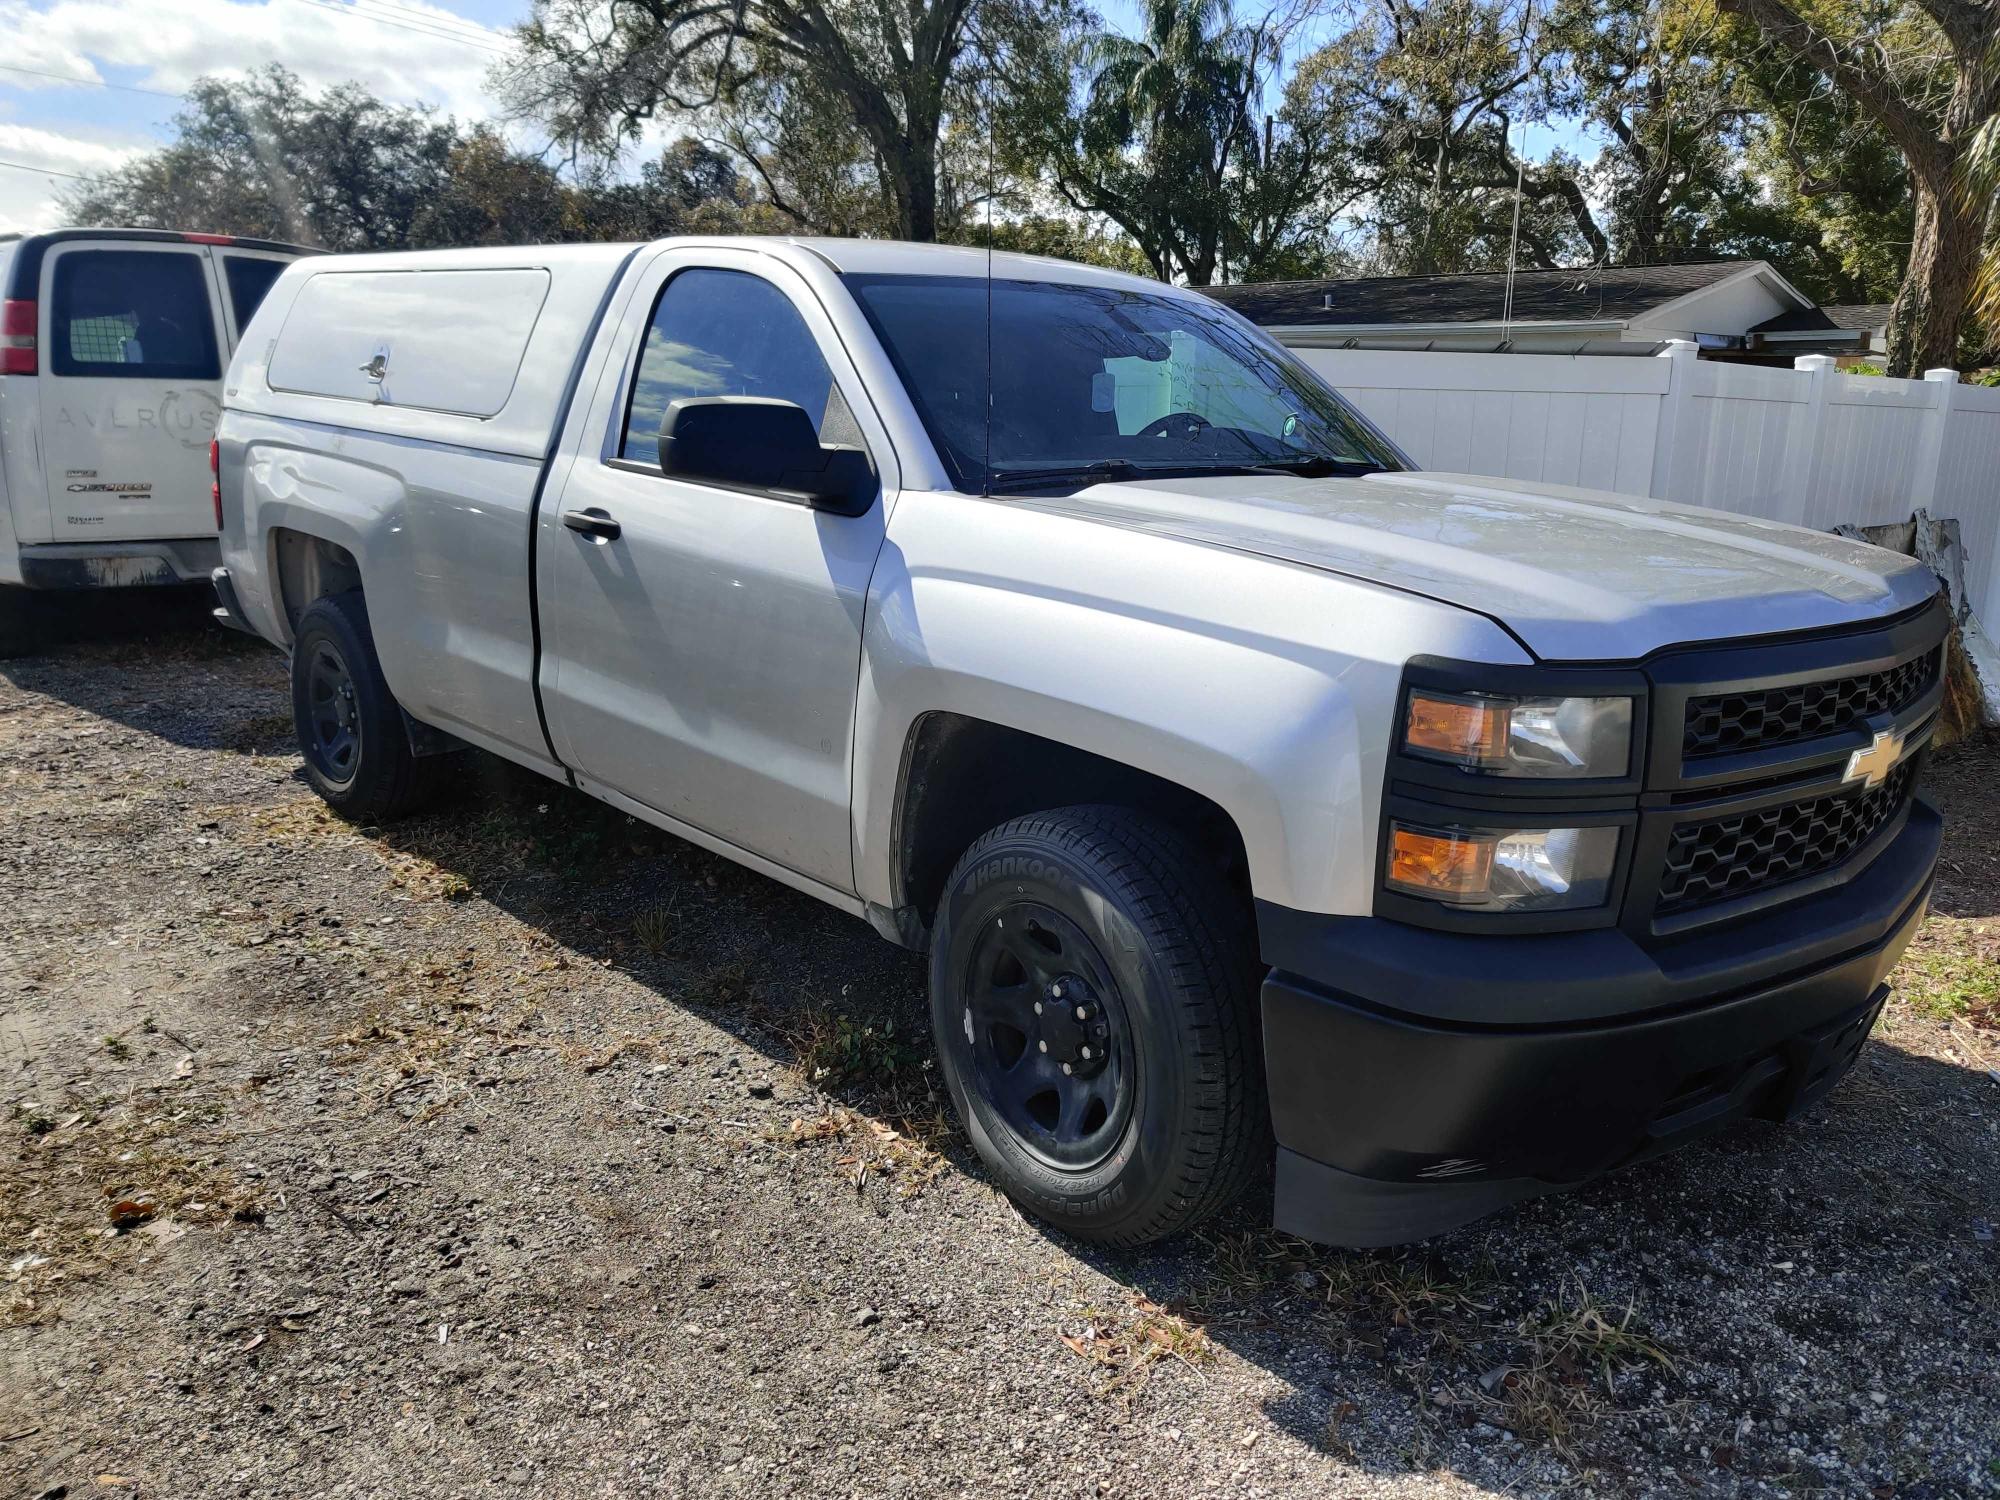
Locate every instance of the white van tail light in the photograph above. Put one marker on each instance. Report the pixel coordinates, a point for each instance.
(17, 338)
(215, 480)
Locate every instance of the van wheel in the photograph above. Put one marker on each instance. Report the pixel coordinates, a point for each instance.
(350, 731)
(21, 632)
(1093, 998)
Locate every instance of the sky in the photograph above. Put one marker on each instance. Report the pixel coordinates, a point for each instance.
(406, 51)
(120, 65)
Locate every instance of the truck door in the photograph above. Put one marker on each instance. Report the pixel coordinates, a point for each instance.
(133, 345)
(704, 660)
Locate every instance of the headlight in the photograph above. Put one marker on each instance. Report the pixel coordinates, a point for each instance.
(1579, 737)
(1482, 869)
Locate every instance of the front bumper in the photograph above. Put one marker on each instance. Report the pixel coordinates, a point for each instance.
(118, 565)
(1420, 1079)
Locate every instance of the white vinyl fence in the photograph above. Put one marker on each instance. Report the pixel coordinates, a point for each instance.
(1807, 445)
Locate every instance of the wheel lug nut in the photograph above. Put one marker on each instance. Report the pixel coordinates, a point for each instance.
(1056, 990)
(1038, 1007)
(1043, 1045)
(1086, 1054)
(1066, 1068)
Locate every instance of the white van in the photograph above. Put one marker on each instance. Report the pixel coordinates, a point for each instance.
(112, 348)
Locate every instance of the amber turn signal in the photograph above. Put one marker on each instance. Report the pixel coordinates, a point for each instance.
(1463, 729)
(1444, 866)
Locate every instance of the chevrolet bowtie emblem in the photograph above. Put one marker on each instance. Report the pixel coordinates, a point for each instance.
(1872, 766)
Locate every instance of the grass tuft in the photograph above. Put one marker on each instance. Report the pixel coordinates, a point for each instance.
(1122, 1347)
(81, 1186)
(837, 1050)
(874, 1147)
(1569, 1347)
(657, 928)
(1952, 972)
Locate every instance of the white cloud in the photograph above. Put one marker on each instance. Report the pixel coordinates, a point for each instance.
(27, 197)
(386, 45)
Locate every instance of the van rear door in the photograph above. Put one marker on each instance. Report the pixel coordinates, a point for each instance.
(133, 345)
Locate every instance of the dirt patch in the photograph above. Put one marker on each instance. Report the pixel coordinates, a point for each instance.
(520, 1149)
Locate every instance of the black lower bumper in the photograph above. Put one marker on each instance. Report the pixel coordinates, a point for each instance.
(1397, 1116)
(117, 565)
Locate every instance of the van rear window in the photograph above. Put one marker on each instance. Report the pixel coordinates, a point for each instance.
(444, 341)
(133, 314)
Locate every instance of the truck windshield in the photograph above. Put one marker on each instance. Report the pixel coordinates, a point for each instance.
(1101, 382)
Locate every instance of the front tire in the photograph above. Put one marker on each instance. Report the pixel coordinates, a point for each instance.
(1093, 1001)
(350, 729)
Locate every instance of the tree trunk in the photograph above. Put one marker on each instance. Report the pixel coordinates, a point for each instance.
(1931, 307)
(919, 208)
(913, 183)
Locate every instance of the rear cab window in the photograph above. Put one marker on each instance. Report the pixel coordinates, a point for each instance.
(133, 314)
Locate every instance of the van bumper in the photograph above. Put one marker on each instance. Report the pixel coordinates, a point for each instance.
(118, 565)
(1394, 1122)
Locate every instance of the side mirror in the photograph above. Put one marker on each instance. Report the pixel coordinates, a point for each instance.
(755, 443)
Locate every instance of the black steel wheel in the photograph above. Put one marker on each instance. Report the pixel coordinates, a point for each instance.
(332, 715)
(1051, 1042)
(350, 730)
(1092, 994)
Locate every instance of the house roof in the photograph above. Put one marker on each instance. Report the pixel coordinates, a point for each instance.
(1864, 317)
(1592, 294)
(1798, 320)
(1832, 322)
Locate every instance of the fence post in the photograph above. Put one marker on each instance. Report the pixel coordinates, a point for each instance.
(1930, 452)
(1805, 467)
(1676, 415)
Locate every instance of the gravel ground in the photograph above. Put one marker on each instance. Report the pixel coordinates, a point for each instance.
(520, 1150)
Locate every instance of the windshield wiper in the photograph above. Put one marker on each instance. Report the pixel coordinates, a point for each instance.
(1059, 477)
(1319, 466)
(1056, 476)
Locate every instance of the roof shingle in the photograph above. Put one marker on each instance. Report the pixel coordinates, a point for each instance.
(1591, 294)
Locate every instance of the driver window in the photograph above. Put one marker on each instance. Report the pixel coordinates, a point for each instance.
(728, 333)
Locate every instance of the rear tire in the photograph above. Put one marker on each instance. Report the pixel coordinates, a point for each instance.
(22, 626)
(350, 729)
(1098, 938)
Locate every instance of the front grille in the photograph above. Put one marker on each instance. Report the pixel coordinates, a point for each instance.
(1727, 723)
(1708, 862)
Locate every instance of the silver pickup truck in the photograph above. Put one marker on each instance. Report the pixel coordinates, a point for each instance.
(1471, 838)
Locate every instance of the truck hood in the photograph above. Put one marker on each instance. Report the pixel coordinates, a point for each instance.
(1577, 575)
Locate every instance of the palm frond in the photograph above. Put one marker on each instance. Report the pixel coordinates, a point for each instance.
(1979, 188)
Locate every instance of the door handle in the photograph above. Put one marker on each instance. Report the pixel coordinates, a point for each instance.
(593, 522)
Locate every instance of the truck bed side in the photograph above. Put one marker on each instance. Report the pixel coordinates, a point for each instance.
(433, 508)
